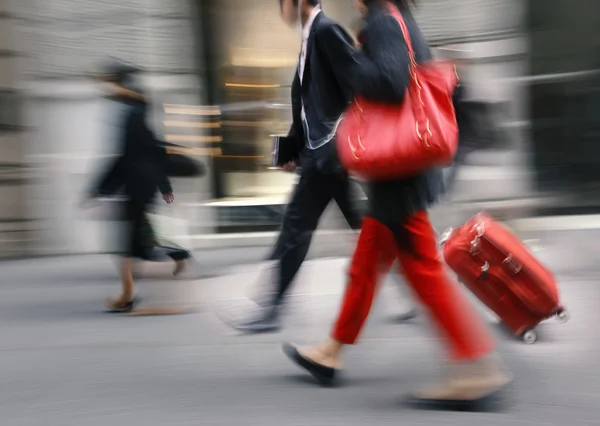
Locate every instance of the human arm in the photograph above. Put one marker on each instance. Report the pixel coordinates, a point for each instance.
(383, 73)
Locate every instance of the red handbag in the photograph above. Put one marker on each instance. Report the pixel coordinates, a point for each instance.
(380, 141)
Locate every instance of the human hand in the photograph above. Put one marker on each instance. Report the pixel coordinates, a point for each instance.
(289, 166)
(169, 198)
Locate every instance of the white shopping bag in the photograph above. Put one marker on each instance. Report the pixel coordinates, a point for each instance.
(263, 287)
(170, 230)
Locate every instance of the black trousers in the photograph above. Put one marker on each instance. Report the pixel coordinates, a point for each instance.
(311, 196)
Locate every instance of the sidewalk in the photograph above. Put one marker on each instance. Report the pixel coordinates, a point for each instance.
(66, 363)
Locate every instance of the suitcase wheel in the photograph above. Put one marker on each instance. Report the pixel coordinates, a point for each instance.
(529, 337)
(563, 315)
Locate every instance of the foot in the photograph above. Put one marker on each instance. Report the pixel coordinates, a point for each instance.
(321, 355)
(473, 386)
(316, 361)
(120, 304)
(263, 320)
(263, 300)
(179, 267)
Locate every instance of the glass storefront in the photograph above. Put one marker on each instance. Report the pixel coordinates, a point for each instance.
(250, 57)
(565, 94)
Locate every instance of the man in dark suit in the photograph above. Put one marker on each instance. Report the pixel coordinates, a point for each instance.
(318, 101)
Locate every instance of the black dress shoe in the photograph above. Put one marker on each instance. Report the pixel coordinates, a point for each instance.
(125, 308)
(324, 375)
(266, 320)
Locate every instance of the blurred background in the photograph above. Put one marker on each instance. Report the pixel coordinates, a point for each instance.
(219, 74)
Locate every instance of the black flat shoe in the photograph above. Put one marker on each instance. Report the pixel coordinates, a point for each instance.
(324, 375)
(125, 308)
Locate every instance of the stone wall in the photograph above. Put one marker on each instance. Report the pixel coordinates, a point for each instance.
(72, 125)
(66, 37)
(15, 174)
(451, 21)
(254, 27)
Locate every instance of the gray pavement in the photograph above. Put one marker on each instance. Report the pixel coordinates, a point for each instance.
(65, 363)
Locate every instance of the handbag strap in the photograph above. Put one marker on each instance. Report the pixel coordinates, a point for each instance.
(395, 12)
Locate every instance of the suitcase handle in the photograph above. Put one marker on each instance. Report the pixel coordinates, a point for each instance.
(509, 262)
(512, 265)
(478, 229)
(484, 271)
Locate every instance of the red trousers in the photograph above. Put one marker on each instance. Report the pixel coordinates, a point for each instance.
(455, 318)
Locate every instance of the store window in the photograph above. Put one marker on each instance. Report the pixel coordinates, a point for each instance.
(565, 96)
(251, 57)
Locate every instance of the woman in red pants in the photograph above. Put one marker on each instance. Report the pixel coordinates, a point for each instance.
(398, 227)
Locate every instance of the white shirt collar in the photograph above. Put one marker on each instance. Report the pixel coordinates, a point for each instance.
(311, 18)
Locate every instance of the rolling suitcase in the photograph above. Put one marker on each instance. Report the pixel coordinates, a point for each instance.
(497, 268)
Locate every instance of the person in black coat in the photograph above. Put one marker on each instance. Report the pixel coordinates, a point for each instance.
(397, 226)
(139, 172)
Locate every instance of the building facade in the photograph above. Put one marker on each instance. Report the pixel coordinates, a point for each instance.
(15, 172)
(218, 72)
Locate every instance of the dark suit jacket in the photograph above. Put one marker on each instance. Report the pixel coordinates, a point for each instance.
(324, 95)
(140, 168)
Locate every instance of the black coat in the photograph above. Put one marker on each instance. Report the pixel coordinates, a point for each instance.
(381, 72)
(139, 170)
(323, 96)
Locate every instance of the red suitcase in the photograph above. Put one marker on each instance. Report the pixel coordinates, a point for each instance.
(503, 274)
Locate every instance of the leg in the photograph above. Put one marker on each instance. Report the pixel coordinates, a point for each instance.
(337, 186)
(476, 373)
(127, 289)
(123, 302)
(347, 203)
(311, 196)
(137, 246)
(374, 255)
(156, 251)
(465, 332)
(179, 256)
